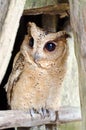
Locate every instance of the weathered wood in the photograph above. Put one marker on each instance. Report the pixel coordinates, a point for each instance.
(8, 33)
(39, 3)
(78, 22)
(14, 118)
(3, 11)
(51, 9)
(49, 22)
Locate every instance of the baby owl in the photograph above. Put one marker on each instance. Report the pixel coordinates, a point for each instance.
(38, 71)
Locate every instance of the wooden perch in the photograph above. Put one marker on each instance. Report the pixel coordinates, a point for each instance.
(51, 9)
(19, 118)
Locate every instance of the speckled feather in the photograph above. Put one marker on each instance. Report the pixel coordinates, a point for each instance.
(37, 75)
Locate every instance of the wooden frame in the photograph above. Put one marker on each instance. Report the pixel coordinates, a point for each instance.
(7, 38)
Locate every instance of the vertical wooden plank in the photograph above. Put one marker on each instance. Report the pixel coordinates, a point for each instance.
(8, 33)
(78, 22)
(49, 22)
(3, 11)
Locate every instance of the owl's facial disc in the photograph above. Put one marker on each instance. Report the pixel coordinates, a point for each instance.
(39, 57)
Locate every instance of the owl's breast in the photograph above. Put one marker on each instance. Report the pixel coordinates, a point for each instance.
(31, 90)
(36, 88)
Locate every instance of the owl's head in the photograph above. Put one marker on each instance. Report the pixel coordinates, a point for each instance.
(42, 48)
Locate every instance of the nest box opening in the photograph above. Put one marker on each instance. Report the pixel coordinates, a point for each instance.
(55, 23)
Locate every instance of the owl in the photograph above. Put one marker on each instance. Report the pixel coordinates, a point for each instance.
(38, 71)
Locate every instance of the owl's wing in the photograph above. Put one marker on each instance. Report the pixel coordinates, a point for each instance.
(17, 70)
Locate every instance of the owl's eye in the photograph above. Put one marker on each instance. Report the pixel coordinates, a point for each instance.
(31, 42)
(50, 46)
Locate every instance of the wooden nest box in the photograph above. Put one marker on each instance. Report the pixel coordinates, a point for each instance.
(46, 13)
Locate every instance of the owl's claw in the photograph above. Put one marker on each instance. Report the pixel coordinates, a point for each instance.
(48, 113)
(43, 112)
(32, 113)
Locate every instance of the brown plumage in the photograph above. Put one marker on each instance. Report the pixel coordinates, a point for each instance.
(38, 71)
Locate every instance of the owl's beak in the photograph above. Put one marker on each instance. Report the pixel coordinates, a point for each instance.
(36, 57)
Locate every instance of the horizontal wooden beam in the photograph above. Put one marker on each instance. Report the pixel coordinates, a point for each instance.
(17, 118)
(51, 9)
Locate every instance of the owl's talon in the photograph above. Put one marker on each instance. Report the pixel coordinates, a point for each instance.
(41, 112)
(32, 112)
(44, 112)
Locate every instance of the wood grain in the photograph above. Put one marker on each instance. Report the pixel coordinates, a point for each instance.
(78, 22)
(8, 33)
(51, 9)
(12, 118)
